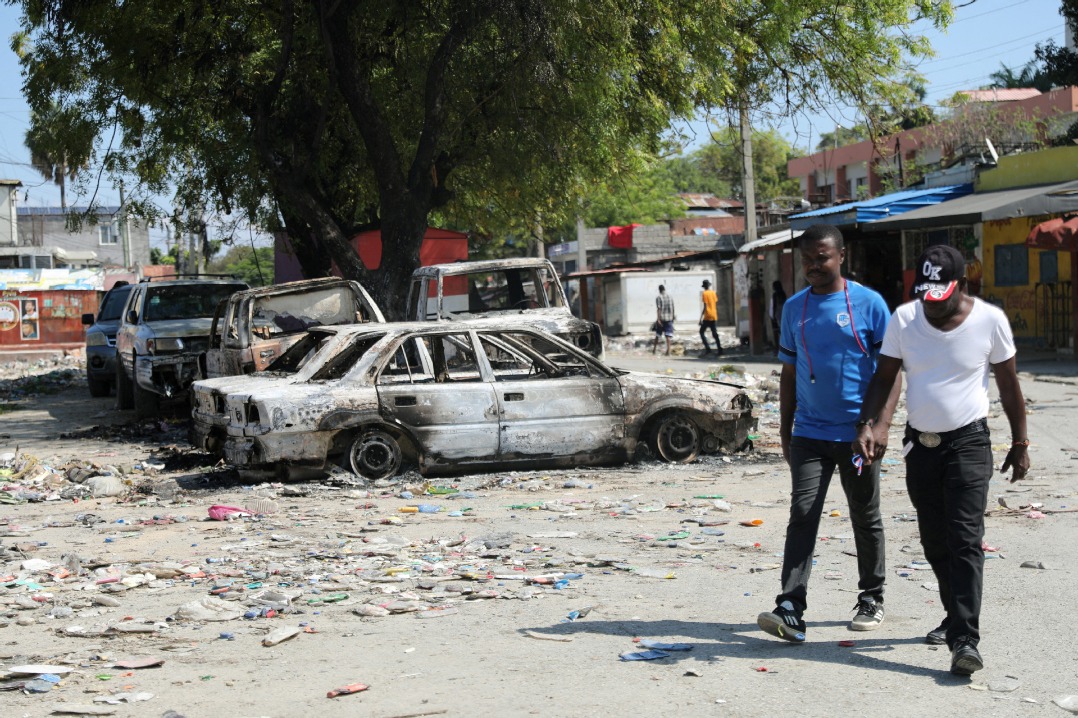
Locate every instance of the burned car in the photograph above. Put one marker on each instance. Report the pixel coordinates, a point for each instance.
(525, 289)
(162, 336)
(457, 396)
(256, 326)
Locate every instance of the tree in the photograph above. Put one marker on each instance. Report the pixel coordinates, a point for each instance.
(329, 117)
(770, 153)
(1030, 75)
(253, 265)
(49, 153)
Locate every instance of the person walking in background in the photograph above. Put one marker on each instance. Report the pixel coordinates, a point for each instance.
(709, 317)
(947, 341)
(664, 319)
(828, 345)
(778, 301)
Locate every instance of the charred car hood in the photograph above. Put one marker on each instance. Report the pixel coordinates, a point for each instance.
(182, 328)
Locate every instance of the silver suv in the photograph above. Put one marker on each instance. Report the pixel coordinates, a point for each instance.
(164, 330)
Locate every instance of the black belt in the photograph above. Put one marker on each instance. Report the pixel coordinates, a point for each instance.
(932, 439)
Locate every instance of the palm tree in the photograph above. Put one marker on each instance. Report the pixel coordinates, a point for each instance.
(44, 140)
(1030, 75)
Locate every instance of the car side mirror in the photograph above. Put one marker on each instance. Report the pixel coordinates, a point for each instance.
(132, 317)
(87, 319)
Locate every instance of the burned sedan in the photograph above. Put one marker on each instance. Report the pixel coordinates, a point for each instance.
(452, 397)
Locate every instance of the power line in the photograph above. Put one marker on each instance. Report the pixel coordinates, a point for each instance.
(1054, 30)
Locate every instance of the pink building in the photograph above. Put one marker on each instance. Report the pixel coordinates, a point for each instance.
(858, 170)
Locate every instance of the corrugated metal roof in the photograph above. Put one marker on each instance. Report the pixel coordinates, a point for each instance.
(769, 240)
(26, 211)
(877, 208)
(988, 206)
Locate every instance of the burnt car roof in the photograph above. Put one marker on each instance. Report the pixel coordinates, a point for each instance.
(300, 284)
(189, 282)
(485, 265)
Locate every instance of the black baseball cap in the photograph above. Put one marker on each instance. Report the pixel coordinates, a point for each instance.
(937, 273)
(706, 284)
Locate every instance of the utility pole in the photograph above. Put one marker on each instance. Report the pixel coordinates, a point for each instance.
(125, 237)
(748, 181)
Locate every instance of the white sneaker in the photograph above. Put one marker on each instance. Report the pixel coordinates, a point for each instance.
(869, 615)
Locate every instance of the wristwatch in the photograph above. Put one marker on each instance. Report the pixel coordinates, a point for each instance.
(865, 422)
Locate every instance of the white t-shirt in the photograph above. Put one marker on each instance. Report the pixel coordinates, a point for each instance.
(947, 372)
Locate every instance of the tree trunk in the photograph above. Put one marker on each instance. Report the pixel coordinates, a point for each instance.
(402, 235)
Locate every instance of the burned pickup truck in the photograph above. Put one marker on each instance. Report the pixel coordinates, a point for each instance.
(457, 396)
(254, 327)
(526, 291)
(162, 335)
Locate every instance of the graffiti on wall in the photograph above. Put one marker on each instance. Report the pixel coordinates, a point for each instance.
(1020, 306)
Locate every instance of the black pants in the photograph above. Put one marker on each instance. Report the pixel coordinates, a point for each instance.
(706, 324)
(948, 486)
(812, 463)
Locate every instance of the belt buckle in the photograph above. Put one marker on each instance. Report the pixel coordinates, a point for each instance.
(929, 440)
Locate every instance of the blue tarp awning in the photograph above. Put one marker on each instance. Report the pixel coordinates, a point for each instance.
(882, 207)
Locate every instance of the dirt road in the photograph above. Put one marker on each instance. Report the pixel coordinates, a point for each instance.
(517, 597)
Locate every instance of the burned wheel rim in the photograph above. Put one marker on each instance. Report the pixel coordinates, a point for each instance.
(676, 438)
(376, 455)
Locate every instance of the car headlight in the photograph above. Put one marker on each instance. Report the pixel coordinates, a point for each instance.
(96, 339)
(164, 345)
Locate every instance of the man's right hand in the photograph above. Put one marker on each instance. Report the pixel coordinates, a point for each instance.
(784, 440)
(864, 444)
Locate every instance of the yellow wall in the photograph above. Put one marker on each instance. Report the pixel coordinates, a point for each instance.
(1019, 303)
(1055, 164)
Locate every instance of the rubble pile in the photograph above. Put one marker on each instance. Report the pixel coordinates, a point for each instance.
(23, 380)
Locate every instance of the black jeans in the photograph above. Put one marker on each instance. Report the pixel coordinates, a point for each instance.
(710, 324)
(812, 463)
(948, 486)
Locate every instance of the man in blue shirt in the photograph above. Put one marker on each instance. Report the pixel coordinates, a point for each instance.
(830, 337)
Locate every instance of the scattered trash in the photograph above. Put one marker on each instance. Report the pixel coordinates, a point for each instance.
(139, 662)
(226, 513)
(644, 655)
(1067, 703)
(847, 643)
(280, 635)
(752, 522)
(347, 690)
(1034, 564)
(660, 646)
(548, 636)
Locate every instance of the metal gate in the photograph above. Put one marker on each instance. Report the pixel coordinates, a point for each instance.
(1053, 313)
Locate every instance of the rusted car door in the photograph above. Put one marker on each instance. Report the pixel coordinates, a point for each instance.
(434, 387)
(552, 403)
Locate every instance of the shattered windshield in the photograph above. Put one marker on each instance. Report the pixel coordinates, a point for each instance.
(188, 301)
(299, 354)
(502, 290)
(343, 361)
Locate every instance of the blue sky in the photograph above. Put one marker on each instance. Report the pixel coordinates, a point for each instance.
(985, 34)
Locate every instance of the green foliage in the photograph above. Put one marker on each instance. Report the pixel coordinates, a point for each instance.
(1029, 75)
(331, 117)
(254, 266)
(722, 159)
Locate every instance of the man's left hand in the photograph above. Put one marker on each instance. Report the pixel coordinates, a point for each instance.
(879, 433)
(1018, 458)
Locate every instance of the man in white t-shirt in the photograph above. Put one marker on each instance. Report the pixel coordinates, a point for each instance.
(946, 342)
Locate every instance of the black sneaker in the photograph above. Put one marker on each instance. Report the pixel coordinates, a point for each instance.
(783, 623)
(965, 658)
(869, 615)
(938, 635)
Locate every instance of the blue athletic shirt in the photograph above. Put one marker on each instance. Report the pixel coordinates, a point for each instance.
(828, 409)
